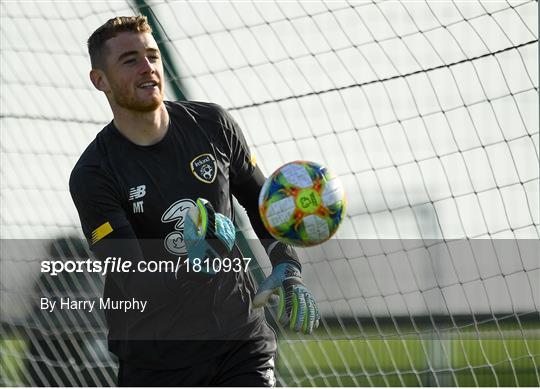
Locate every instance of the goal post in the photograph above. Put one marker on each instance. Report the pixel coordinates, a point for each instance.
(428, 113)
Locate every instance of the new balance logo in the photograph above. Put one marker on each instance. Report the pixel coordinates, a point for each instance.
(138, 207)
(137, 192)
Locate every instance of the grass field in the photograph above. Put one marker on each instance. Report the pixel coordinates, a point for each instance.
(467, 358)
(11, 373)
(490, 359)
(410, 362)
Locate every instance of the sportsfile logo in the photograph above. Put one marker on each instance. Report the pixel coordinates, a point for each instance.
(137, 192)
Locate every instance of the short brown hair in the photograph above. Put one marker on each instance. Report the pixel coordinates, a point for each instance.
(114, 26)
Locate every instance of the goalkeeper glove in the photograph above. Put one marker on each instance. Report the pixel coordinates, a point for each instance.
(297, 307)
(207, 234)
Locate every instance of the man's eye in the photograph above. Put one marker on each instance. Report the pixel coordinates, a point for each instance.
(154, 57)
(131, 60)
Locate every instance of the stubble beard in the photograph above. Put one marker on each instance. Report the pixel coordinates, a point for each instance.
(130, 102)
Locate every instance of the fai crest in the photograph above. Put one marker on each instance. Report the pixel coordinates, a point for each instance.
(204, 168)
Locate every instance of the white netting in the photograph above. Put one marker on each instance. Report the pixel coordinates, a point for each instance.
(428, 112)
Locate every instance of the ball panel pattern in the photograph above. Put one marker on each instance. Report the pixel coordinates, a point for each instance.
(302, 203)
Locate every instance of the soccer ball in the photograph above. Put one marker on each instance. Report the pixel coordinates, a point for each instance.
(302, 203)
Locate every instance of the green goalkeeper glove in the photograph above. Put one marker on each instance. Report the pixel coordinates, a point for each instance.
(297, 307)
(207, 234)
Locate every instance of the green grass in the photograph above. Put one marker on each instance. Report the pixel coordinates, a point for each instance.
(11, 372)
(367, 359)
(409, 362)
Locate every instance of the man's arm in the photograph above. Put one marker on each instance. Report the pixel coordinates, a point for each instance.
(297, 307)
(247, 194)
(105, 225)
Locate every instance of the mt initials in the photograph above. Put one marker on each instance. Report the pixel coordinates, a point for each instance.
(138, 207)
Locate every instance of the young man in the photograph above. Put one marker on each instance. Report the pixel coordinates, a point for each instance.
(157, 183)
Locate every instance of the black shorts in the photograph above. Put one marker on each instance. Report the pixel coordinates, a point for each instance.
(243, 364)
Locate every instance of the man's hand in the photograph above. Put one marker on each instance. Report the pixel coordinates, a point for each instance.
(208, 234)
(297, 307)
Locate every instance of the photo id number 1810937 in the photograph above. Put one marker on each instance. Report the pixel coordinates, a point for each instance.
(217, 265)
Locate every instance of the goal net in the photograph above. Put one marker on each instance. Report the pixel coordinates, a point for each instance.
(428, 113)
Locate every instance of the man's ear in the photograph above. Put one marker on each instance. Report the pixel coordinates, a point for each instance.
(99, 79)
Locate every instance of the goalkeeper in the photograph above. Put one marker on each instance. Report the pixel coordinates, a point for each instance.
(157, 182)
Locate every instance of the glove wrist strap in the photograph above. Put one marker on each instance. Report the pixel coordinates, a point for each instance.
(279, 252)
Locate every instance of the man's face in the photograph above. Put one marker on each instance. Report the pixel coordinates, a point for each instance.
(134, 72)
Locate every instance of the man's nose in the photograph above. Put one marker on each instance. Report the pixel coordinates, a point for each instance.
(147, 66)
